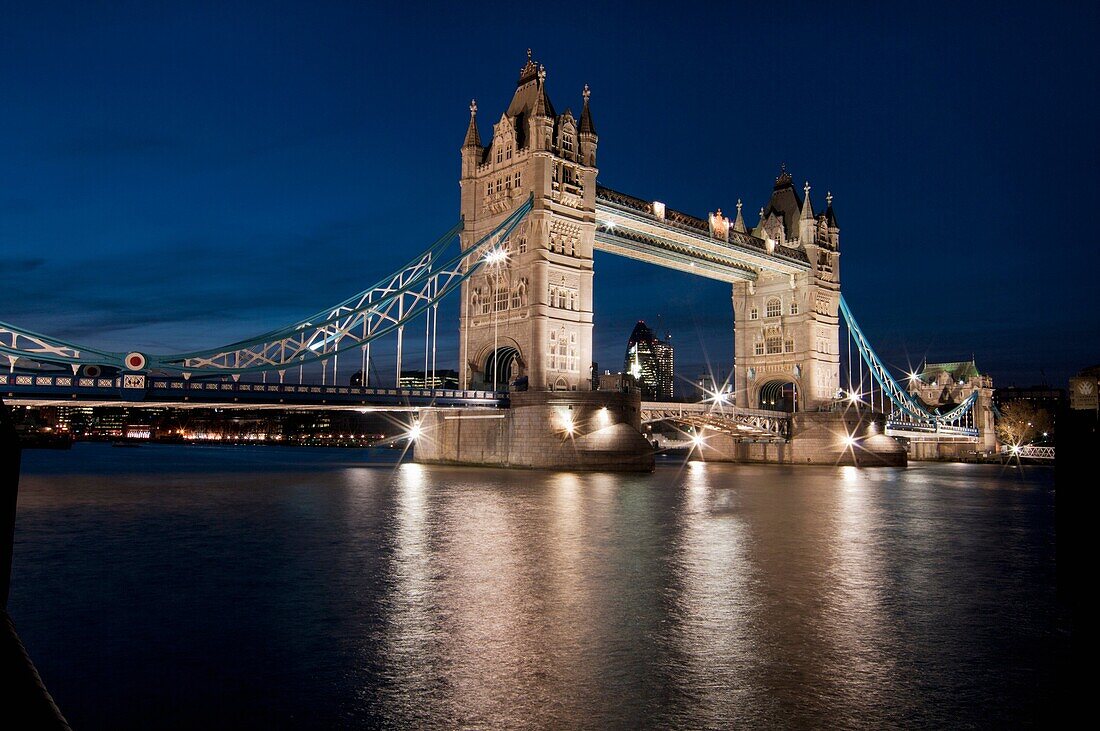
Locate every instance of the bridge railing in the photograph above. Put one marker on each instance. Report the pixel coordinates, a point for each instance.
(1028, 451)
(171, 388)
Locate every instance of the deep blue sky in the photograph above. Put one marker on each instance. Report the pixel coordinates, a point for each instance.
(173, 178)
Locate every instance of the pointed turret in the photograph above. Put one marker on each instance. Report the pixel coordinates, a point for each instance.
(586, 132)
(739, 222)
(473, 139)
(472, 151)
(586, 114)
(542, 114)
(806, 234)
(542, 106)
(830, 220)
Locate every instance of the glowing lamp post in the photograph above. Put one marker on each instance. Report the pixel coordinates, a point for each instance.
(494, 259)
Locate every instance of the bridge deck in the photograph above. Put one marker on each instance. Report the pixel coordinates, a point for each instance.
(734, 420)
(629, 227)
(54, 390)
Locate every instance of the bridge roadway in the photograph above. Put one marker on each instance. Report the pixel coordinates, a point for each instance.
(153, 390)
(649, 232)
(734, 420)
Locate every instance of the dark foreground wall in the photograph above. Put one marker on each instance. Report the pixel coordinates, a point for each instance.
(26, 704)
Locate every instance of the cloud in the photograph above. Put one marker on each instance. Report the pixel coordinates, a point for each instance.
(191, 291)
(22, 266)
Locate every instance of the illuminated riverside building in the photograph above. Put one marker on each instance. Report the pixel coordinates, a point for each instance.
(650, 361)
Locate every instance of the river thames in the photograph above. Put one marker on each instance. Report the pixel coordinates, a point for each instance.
(276, 587)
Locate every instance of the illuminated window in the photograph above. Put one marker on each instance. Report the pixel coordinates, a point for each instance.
(523, 240)
(773, 344)
(500, 153)
(754, 314)
(788, 345)
(774, 308)
(500, 185)
(515, 297)
(567, 143)
(500, 299)
(758, 348)
(489, 188)
(519, 180)
(508, 154)
(552, 361)
(794, 307)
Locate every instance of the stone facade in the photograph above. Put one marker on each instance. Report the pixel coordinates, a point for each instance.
(827, 438)
(595, 430)
(943, 386)
(787, 328)
(535, 306)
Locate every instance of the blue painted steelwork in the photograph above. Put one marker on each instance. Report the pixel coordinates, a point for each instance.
(401, 298)
(909, 412)
(174, 390)
(379, 310)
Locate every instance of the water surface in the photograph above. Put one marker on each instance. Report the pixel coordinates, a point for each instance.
(276, 587)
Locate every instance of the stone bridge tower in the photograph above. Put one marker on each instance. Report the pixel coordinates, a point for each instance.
(787, 328)
(533, 309)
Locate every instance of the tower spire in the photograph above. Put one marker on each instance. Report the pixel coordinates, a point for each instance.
(739, 222)
(473, 139)
(586, 115)
(807, 209)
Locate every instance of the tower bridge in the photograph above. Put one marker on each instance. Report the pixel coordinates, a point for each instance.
(520, 261)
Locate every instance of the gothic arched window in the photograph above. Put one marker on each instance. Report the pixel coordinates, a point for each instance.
(774, 308)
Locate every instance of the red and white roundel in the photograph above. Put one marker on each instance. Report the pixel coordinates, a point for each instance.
(135, 361)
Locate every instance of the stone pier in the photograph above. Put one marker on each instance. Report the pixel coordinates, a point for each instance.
(563, 430)
(833, 438)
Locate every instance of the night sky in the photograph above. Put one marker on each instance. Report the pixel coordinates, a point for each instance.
(179, 178)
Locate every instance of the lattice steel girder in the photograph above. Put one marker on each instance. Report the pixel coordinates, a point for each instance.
(720, 417)
(637, 237)
(390, 305)
(901, 398)
(17, 342)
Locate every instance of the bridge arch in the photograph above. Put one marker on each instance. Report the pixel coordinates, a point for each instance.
(503, 364)
(778, 394)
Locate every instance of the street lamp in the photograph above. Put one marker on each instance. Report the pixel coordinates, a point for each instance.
(495, 258)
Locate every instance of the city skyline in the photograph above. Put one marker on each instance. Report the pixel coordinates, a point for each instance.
(161, 198)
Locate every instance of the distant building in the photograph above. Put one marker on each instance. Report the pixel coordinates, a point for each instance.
(947, 384)
(621, 382)
(1084, 389)
(942, 386)
(650, 361)
(419, 379)
(704, 386)
(1044, 397)
(414, 379)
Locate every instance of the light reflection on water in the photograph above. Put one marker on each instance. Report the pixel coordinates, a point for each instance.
(252, 587)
